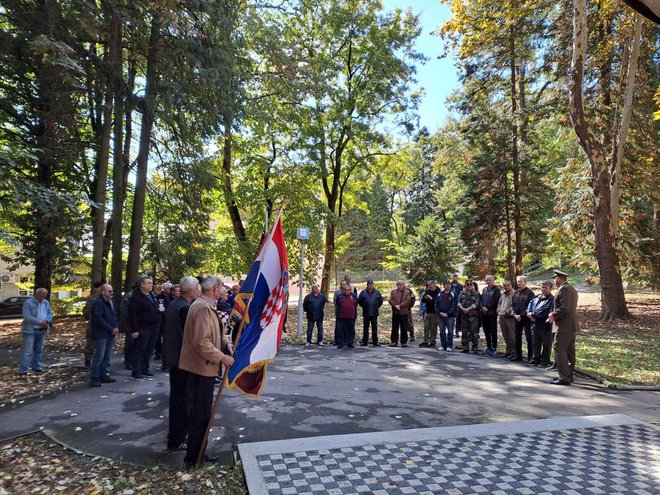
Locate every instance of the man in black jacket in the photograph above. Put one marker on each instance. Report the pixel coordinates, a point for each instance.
(144, 319)
(521, 299)
(313, 305)
(180, 403)
(431, 322)
(370, 300)
(490, 298)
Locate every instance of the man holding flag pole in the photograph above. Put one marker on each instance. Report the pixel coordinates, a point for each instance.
(201, 357)
(261, 307)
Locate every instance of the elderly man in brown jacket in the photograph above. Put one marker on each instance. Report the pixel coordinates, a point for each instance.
(201, 357)
(400, 302)
(565, 315)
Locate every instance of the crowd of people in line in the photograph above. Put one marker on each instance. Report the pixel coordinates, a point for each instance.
(546, 321)
(181, 324)
(185, 325)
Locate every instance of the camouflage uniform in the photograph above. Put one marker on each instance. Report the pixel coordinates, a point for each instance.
(469, 321)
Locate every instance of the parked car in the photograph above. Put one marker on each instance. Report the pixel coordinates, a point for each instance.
(12, 307)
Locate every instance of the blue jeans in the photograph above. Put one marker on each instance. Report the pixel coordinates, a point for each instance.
(33, 346)
(310, 329)
(101, 358)
(446, 331)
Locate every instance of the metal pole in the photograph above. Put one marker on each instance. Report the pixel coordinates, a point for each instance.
(300, 295)
(266, 223)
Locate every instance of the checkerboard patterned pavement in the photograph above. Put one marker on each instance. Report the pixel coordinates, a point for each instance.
(600, 460)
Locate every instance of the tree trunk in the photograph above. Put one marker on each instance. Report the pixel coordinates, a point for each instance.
(227, 187)
(613, 298)
(118, 189)
(509, 241)
(102, 159)
(626, 114)
(142, 161)
(516, 269)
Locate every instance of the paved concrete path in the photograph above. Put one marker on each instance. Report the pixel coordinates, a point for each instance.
(570, 456)
(323, 391)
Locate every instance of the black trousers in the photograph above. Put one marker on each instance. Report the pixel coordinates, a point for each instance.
(143, 348)
(542, 346)
(345, 331)
(201, 390)
(399, 322)
(526, 325)
(373, 322)
(490, 330)
(128, 350)
(180, 405)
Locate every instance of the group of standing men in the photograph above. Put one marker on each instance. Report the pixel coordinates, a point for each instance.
(518, 312)
(182, 324)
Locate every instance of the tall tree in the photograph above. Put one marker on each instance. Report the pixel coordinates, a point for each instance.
(355, 67)
(605, 169)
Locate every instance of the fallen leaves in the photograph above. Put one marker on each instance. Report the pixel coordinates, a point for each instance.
(35, 464)
(14, 387)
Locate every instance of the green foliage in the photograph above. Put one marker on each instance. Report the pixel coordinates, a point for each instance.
(426, 254)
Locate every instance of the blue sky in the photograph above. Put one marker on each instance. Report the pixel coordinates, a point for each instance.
(437, 76)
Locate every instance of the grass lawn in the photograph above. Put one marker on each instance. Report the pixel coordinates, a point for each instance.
(35, 464)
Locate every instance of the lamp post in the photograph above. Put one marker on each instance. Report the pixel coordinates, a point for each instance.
(302, 234)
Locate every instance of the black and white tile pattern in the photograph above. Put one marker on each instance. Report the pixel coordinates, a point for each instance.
(620, 459)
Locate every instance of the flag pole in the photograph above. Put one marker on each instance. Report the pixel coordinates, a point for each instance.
(225, 378)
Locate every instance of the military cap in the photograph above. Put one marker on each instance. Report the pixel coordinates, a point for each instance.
(559, 273)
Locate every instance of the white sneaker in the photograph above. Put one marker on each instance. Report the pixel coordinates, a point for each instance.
(320, 344)
(449, 349)
(308, 344)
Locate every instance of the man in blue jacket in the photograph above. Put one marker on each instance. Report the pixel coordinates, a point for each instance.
(370, 300)
(103, 329)
(37, 318)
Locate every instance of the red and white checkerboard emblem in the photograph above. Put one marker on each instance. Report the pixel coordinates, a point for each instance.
(276, 298)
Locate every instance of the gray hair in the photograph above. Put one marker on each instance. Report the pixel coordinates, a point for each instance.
(186, 284)
(40, 290)
(210, 283)
(167, 285)
(521, 277)
(142, 279)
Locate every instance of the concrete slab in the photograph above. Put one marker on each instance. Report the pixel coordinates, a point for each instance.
(607, 452)
(322, 391)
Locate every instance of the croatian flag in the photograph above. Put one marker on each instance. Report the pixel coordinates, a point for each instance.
(262, 303)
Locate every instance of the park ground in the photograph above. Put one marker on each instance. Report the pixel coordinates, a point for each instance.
(625, 353)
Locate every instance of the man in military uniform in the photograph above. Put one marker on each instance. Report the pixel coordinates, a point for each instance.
(564, 315)
(469, 302)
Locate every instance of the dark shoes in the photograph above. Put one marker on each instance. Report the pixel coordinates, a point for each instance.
(95, 383)
(404, 345)
(363, 344)
(148, 373)
(350, 345)
(88, 363)
(424, 344)
(107, 379)
(340, 346)
(376, 344)
(394, 344)
(137, 377)
(558, 381)
(465, 351)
